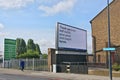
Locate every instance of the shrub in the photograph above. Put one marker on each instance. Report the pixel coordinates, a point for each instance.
(29, 54)
(116, 67)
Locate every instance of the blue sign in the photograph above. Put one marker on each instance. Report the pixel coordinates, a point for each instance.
(108, 49)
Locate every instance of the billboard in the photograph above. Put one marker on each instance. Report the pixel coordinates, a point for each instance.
(70, 38)
(9, 49)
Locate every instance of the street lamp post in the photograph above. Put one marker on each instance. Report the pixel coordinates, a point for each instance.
(109, 43)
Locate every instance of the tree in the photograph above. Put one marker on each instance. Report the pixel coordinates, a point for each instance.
(23, 46)
(31, 45)
(38, 48)
(20, 46)
(30, 51)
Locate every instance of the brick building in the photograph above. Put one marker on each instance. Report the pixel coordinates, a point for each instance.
(99, 25)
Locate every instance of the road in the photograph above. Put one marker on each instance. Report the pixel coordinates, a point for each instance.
(13, 74)
(21, 77)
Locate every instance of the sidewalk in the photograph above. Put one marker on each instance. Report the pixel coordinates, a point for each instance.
(55, 76)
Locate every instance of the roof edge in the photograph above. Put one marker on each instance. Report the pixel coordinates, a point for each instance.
(101, 12)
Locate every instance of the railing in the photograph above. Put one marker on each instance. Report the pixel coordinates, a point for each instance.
(30, 64)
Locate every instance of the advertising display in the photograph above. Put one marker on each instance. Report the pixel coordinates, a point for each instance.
(71, 38)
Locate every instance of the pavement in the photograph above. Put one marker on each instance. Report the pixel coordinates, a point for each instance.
(56, 76)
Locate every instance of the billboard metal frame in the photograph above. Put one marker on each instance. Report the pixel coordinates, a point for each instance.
(64, 48)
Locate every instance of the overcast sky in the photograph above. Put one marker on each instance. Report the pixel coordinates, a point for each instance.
(36, 19)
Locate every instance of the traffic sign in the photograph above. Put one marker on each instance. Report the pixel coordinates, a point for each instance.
(108, 49)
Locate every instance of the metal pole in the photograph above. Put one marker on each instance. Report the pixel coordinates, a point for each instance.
(33, 61)
(109, 45)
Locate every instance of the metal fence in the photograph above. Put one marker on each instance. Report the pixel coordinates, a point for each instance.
(102, 60)
(72, 67)
(30, 64)
(100, 67)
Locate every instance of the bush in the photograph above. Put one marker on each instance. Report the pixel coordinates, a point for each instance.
(116, 67)
(44, 56)
(29, 54)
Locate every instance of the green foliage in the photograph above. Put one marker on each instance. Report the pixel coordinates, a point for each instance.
(44, 56)
(30, 51)
(31, 45)
(29, 54)
(21, 46)
(116, 66)
(17, 46)
(38, 48)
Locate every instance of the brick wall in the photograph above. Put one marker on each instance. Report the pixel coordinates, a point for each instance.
(99, 26)
(51, 58)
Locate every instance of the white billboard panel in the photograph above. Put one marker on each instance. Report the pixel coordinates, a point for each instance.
(71, 38)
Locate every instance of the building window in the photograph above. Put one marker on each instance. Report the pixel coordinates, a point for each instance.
(99, 58)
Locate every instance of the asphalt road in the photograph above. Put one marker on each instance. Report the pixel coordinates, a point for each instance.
(20, 77)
